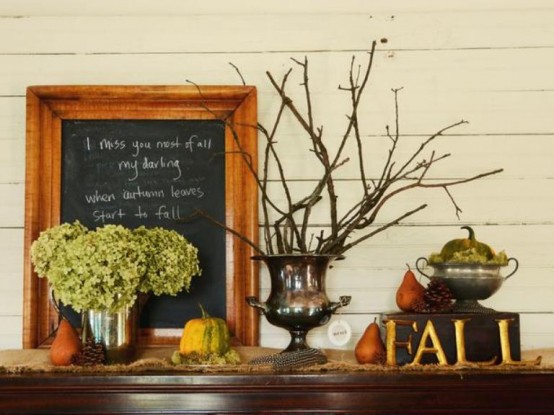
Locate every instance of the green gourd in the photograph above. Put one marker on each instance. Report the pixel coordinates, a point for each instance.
(205, 336)
(457, 245)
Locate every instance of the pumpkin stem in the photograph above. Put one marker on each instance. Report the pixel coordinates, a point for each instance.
(471, 236)
(204, 312)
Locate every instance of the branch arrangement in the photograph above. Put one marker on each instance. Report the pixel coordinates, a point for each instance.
(290, 231)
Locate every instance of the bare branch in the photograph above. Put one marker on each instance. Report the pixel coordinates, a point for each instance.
(200, 213)
(460, 181)
(288, 233)
(345, 248)
(426, 167)
(247, 158)
(384, 199)
(387, 167)
(270, 149)
(319, 148)
(426, 143)
(458, 210)
(238, 71)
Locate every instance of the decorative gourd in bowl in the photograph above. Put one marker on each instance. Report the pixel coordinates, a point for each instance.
(471, 269)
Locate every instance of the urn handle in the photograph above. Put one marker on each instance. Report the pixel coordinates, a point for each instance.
(516, 266)
(344, 300)
(253, 302)
(422, 259)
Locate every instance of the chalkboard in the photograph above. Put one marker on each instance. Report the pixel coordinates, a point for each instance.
(153, 173)
(148, 155)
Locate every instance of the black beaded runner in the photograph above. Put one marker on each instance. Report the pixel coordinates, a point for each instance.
(291, 360)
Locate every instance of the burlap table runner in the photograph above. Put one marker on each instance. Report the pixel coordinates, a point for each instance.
(159, 359)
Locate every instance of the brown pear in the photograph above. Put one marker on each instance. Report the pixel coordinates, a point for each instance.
(370, 348)
(409, 292)
(66, 345)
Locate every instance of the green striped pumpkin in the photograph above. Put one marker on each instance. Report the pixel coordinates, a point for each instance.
(205, 336)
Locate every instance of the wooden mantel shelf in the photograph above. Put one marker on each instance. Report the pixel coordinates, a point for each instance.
(423, 392)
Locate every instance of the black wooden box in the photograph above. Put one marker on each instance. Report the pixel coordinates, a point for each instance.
(481, 336)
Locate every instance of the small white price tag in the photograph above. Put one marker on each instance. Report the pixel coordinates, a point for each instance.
(339, 332)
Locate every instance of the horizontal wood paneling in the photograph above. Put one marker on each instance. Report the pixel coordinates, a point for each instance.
(11, 331)
(11, 258)
(487, 62)
(12, 207)
(11, 287)
(309, 30)
(241, 7)
(430, 71)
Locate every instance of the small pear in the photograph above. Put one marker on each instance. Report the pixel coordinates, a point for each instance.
(370, 348)
(66, 345)
(409, 292)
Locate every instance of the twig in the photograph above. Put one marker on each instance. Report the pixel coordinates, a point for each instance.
(458, 210)
(201, 213)
(238, 71)
(345, 248)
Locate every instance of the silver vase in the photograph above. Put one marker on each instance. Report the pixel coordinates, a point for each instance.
(297, 301)
(117, 332)
(469, 282)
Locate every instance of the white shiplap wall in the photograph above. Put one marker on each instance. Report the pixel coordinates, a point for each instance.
(489, 62)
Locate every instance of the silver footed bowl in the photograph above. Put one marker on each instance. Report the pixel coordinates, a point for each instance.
(468, 283)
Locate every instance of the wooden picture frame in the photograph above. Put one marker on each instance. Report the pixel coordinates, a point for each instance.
(49, 106)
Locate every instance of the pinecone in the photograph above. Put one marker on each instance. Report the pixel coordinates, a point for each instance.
(437, 296)
(419, 306)
(91, 354)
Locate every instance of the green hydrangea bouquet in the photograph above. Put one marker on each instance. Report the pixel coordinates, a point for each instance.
(106, 268)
